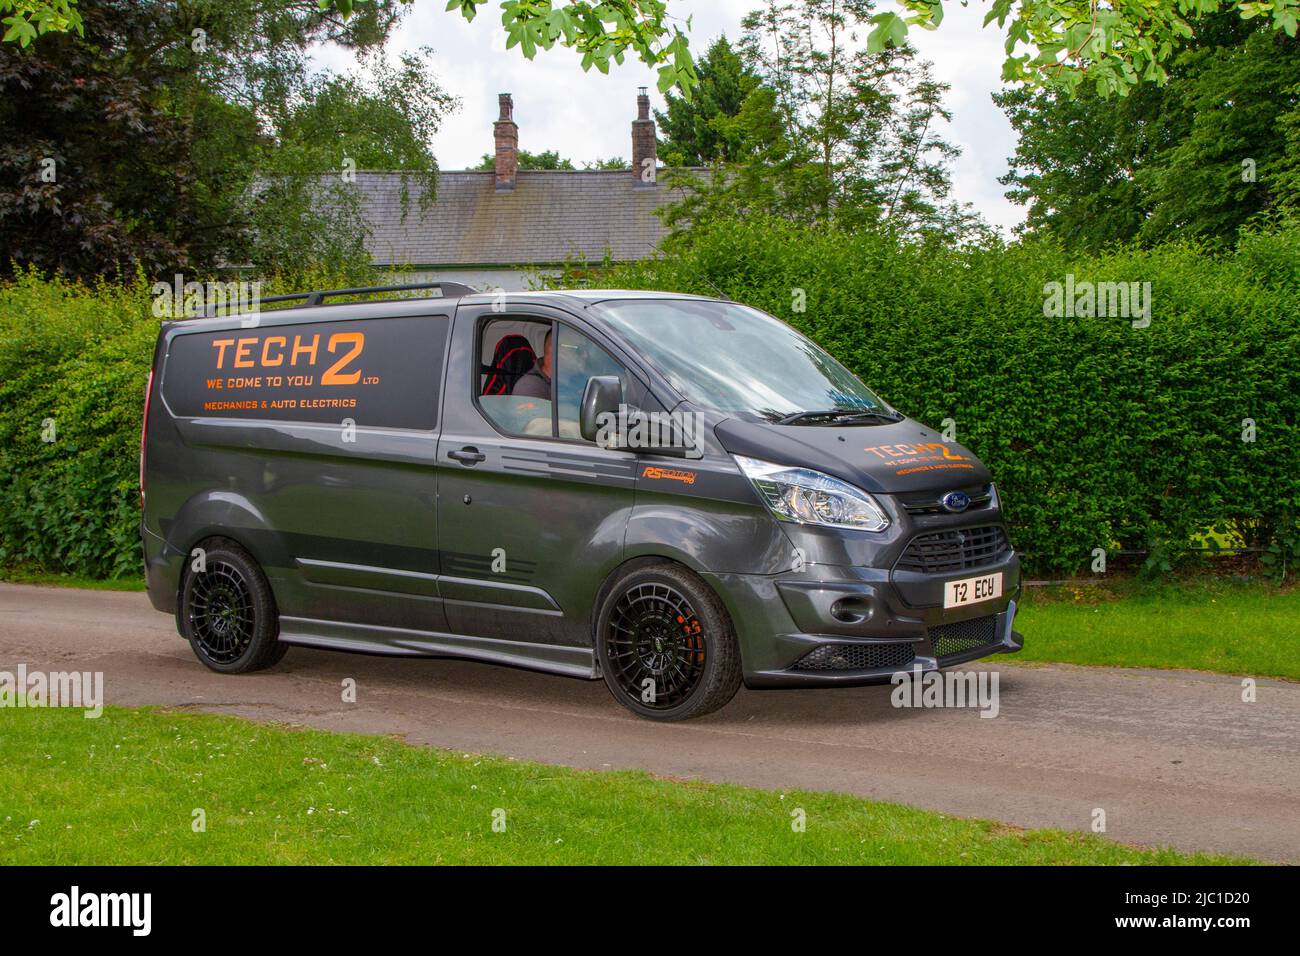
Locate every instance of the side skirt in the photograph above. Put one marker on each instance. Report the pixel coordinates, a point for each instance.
(401, 642)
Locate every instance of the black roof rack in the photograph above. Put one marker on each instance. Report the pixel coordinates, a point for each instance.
(450, 290)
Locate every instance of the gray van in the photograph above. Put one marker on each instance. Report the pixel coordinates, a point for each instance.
(674, 493)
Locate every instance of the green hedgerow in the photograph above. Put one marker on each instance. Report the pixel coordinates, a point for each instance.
(1099, 434)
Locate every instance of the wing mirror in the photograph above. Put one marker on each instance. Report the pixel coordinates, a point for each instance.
(602, 400)
(601, 397)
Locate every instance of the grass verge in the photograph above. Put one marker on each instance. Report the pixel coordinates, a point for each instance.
(1210, 625)
(124, 788)
(22, 576)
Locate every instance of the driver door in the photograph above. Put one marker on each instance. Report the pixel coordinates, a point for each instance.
(531, 516)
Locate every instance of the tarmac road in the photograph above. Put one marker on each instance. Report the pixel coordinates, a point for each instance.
(1173, 757)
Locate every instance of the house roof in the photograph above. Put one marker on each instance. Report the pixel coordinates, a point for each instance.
(551, 216)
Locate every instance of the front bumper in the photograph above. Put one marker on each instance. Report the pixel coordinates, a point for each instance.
(851, 626)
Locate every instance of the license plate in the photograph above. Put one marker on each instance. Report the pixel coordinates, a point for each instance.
(986, 587)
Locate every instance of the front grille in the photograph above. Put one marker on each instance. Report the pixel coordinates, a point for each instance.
(928, 503)
(939, 552)
(857, 657)
(962, 636)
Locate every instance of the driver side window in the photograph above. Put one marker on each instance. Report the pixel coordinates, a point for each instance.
(577, 359)
(513, 387)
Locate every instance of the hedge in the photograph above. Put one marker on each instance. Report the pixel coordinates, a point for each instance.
(1100, 435)
(76, 358)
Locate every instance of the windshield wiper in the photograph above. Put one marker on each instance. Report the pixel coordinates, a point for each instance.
(838, 415)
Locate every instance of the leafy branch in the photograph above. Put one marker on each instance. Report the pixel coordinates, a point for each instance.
(601, 32)
(1114, 44)
(28, 19)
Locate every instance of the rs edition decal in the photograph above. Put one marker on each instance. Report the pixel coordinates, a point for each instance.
(669, 474)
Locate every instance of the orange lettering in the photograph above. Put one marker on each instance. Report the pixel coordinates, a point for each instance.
(671, 474)
(299, 347)
(332, 375)
(220, 346)
(266, 350)
(242, 358)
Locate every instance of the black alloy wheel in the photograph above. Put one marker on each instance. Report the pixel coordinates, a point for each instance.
(665, 643)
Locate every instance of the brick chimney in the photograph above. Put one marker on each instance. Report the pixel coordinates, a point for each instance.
(507, 144)
(644, 148)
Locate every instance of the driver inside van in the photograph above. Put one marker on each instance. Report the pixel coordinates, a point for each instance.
(536, 382)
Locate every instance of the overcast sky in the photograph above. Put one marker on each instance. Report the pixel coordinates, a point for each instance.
(588, 115)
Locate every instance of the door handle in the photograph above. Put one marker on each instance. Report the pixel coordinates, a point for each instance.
(469, 455)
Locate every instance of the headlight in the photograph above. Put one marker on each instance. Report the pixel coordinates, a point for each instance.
(810, 497)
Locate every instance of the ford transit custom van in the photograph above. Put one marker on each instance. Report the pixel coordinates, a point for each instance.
(672, 493)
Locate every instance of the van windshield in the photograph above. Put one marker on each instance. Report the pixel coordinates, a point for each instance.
(732, 358)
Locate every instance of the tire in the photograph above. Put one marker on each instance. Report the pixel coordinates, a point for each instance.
(663, 624)
(227, 611)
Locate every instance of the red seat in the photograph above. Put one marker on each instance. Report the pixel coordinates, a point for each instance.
(512, 358)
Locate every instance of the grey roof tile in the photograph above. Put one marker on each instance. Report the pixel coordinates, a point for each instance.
(549, 217)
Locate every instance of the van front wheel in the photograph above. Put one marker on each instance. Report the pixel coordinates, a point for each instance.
(227, 612)
(666, 645)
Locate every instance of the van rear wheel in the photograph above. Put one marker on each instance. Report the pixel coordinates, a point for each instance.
(227, 612)
(666, 645)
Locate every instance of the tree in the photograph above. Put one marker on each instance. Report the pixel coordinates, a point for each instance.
(161, 118)
(1227, 113)
(1074, 163)
(1200, 156)
(600, 30)
(94, 174)
(304, 207)
(228, 63)
(832, 133)
(550, 159)
(692, 131)
(1114, 47)
(28, 19)
(1288, 179)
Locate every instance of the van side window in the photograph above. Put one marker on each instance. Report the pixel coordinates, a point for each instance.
(578, 359)
(513, 388)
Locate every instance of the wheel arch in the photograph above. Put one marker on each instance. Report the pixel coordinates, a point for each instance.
(647, 560)
(219, 513)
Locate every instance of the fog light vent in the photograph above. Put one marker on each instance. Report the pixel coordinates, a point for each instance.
(857, 657)
(962, 636)
(851, 610)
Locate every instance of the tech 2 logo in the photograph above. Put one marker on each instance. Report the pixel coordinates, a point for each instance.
(908, 459)
(247, 355)
(669, 474)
